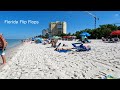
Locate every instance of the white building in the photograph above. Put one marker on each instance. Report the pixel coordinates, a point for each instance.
(56, 28)
(44, 32)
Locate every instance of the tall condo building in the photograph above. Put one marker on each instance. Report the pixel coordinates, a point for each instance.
(57, 28)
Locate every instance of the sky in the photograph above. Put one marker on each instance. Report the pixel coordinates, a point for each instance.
(76, 20)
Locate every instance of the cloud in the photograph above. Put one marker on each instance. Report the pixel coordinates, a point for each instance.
(117, 15)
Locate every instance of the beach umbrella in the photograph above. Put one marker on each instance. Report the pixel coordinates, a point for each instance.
(56, 37)
(65, 36)
(33, 39)
(117, 32)
(85, 34)
(39, 40)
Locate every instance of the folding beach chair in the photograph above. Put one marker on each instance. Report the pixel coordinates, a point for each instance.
(57, 46)
(81, 47)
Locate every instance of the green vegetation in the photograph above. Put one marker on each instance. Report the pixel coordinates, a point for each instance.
(101, 31)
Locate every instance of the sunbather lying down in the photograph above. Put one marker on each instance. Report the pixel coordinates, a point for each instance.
(63, 47)
(78, 48)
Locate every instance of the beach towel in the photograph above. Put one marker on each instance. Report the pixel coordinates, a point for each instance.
(63, 51)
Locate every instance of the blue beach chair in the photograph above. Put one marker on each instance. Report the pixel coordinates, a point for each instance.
(81, 47)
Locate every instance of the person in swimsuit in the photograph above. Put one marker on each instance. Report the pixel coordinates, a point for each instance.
(3, 45)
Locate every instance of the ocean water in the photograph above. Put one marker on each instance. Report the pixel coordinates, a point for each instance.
(13, 42)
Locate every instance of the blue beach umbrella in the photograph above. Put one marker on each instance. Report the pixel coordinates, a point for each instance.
(85, 34)
(39, 40)
(33, 39)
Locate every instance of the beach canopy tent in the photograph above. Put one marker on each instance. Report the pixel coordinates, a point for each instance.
(38, 40)
(74, 37)
(65, 36)
(85, 34)
(69, 37)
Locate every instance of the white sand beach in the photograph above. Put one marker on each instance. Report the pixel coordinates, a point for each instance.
(36, 61)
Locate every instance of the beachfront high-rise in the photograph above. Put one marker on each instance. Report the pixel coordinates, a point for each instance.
(45, 31)
(57, 28)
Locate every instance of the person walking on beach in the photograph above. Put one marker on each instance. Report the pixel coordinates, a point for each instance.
(3, 45)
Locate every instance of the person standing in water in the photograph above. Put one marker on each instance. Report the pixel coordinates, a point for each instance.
(3, 45)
